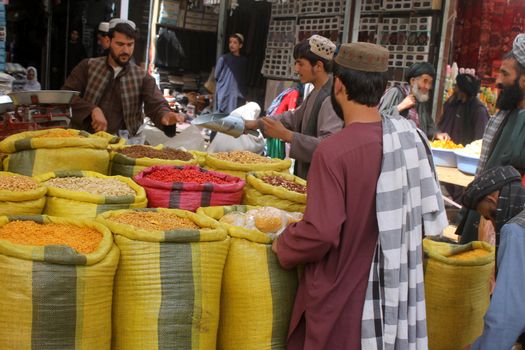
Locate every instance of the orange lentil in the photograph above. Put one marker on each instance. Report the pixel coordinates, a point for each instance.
(154, 220)
(83, 239)
(59, 133)
(470, 254)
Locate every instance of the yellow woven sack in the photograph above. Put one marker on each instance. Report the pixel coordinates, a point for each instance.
(22, 203)
(257, 294)
(258, 192)
(113, 141)
(168, 284)
(77, 204)
(31, 155)
(52, 297)
(128, 166)
(457, 293)
(200, 156)
(240, 170)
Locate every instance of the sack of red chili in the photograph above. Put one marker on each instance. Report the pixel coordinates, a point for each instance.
(189, 187)
(279, 190)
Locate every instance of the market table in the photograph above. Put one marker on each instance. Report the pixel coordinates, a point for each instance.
(453, 176)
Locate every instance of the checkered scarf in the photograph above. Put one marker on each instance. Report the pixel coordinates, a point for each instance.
(131, 78)
(408, 204)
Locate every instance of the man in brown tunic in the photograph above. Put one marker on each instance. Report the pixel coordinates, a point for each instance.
(113, 90)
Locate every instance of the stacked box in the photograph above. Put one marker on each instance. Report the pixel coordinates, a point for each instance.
(321, 7)
(284, 9)
(199, 20)
(368, 6)
(368, 28)
(329, 27)
(281, 34)
(410, 59)
(169, 12)
(278, 63)
(419, 34)
(397, 5)
(426, 4)
(393, 34)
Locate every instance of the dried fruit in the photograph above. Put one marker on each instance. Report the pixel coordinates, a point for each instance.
(287, 184)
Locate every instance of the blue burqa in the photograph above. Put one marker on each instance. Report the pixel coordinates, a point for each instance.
(230, 73)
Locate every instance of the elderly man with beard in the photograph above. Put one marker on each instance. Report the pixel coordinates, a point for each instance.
(504, 137)
(412, 101)
(499, 196)
(113, 90)
(360, 238)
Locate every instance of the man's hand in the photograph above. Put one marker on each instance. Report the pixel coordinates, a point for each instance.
(171, 118)
(251, 124)
(276, 129)
(407, 103)
(442, 136)
(98, 120)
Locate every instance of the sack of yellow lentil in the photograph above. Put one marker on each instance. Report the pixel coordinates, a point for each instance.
(279, 190)
(131, 160)
(56, 285)
(457, 291)
(36, 152)
(257, 294)
(238, 163)
(113, 141)
(168, 283)
(21, 195)
(86, 194)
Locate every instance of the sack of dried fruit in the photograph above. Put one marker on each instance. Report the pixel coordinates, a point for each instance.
(21, 195)
(189, 187)
(56, 285)
(279, 190)
(257, 294)
(86, 194)
(36, 152)
(131, 160)
(168, 282)
(238, 163)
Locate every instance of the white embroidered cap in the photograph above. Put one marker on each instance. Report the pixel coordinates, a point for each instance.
(321, 46)
(103, 27)
(115, 21)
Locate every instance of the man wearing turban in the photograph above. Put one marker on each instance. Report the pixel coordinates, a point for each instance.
(412, 101)
(499, 196)
(504, 137)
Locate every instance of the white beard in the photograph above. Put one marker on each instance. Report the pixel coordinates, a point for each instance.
(420, 97)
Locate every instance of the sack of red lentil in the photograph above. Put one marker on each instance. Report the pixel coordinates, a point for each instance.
(131, 160)
(86, 194)
(168, 282)
(56, 285)
(466, 270)
(189, 187)
(238, 163)
(257, 294)
(36, 152)
(279, 190)
(21, 195)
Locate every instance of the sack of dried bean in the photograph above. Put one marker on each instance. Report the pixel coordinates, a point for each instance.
(279, 190)
(56, 285)
(21, 195)
(457, 291)
(189, 187)
(168, 283)
(36, 152)
(131, 160)
(257, 294)
(238, 163)
(86, 194)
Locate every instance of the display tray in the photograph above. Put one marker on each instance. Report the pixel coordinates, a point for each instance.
(52, 97)
(466, 162)
(444, 157)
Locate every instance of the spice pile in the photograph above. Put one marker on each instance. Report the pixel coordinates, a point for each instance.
(139, 151)
(59, 133)
(93, 185)
(470, 254)
(287, 184)
(185, 175)
(17, 183)
(83, 239)
(449, 144)
(154, 221)
(243, 157)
